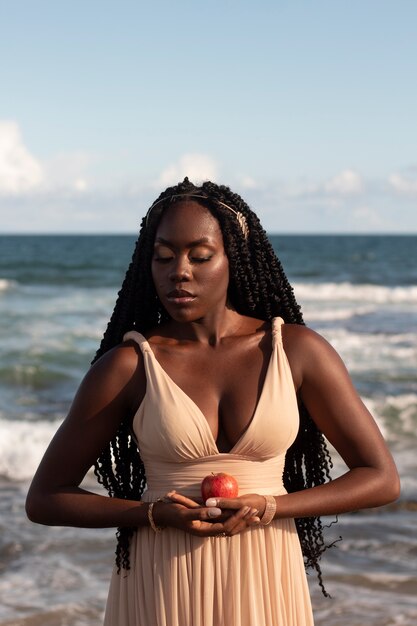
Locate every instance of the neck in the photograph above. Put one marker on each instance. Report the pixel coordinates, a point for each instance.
(210, 329)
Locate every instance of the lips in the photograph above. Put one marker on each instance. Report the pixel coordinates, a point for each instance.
(180, 297)
(180, 293)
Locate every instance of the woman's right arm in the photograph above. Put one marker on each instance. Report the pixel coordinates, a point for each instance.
(110, 392)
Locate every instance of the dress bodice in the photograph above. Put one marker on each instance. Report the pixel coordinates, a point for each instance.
(174, 436)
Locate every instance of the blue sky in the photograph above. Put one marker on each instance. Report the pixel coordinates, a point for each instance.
(307, 109)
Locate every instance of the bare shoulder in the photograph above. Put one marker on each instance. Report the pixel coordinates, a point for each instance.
(117, 374)
(306, 351)
(123, 361)
(127, 356)
(299, 337)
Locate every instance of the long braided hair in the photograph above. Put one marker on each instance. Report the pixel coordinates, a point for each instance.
(258, 287)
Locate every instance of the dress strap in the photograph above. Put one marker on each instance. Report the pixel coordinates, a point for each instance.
(277, 323)
(138, 338)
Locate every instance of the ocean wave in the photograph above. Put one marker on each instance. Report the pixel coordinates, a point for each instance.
(349, 292)
(332, 315)
(348, 338)
(397, 414)
(69, 590)
(22, 445)
(395, 355)
(396, 417)
(35, 375)
(400, 414)
(5, 284)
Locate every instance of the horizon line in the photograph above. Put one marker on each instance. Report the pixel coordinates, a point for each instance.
(269, 233)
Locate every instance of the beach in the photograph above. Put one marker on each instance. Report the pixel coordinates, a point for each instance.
(56, 297)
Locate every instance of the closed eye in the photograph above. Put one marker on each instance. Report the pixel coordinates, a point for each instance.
(163, 259)
(199, 259)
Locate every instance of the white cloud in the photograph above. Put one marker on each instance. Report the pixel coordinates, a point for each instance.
(303, 205)
(366, 219)
(68, 192)
(346, 183)
(403, 184)
(67, 171)
(300, 188)
(248, 182)
(20, 172)
(198, 168)
(80, 184)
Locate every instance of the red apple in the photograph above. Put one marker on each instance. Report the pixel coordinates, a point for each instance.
(219, 486)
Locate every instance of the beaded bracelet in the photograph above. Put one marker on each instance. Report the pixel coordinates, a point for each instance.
(270, 510)
(155, 528)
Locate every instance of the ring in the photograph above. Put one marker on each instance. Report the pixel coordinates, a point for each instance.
(221, 535)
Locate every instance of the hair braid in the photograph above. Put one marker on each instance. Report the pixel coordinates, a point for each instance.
(258, 287)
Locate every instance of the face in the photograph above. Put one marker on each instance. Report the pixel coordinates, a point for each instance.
(190, 269)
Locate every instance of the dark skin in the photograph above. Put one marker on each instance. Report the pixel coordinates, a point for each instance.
(219, 358)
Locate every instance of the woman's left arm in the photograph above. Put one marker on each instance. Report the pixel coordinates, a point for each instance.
(327, 392)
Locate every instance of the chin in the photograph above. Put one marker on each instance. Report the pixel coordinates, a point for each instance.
(182, 314)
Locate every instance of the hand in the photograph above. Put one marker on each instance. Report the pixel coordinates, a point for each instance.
(189, 515)
(252, 500)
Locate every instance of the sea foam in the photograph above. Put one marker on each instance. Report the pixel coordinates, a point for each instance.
(5, 284)
(350, 292)
(22, 445)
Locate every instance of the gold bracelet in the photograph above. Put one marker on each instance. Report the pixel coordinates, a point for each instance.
(155, 528)
(270, 510)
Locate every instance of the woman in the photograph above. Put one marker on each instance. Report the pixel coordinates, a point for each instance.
(206, 366)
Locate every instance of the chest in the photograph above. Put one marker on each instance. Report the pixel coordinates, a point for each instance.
(224, 383)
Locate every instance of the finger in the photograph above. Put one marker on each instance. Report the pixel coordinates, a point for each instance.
(173, 493)
(236, 518)
(212, 515)
(213, 512)
(217, 528)
(241, 519)
(250, 499)
(225, 503)
(204, 514)
(184, 500)
(206, 529)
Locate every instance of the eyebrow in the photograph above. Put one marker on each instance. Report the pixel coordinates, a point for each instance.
(191, 244)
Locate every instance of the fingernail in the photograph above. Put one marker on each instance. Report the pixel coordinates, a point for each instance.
(256, 520)
(211, 502)
(246, 510)
(254, 512)
(214, 512)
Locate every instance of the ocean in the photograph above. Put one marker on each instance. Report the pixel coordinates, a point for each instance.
(56, 297)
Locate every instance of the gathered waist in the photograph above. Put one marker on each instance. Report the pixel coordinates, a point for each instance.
(263, 477)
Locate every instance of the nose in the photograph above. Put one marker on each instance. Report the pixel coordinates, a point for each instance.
(180, 270)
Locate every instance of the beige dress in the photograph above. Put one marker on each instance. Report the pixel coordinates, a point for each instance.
(255, 578)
